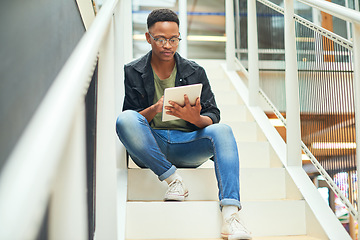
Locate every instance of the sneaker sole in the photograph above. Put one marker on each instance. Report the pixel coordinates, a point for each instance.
(229, 237)
(177, 197)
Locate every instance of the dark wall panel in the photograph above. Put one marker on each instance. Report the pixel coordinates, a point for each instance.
(36, 37)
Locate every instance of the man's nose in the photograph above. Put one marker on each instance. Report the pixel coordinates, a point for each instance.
(167, 44)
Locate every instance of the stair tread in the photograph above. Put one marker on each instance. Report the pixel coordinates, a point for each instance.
(303, 237)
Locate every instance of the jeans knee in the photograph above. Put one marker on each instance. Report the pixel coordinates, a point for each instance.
(126, 119)
(221, 129)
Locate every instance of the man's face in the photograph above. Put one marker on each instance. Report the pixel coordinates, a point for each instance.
(166, 30)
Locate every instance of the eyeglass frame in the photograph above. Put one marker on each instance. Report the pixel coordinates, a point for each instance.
(166, 40)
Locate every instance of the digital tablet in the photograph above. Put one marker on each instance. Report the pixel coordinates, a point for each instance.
(176, 94)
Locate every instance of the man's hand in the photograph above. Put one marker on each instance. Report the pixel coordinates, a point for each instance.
(158, 106)
(187, 112)
(150, 112)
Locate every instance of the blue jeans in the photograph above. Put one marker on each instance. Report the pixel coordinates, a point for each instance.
(165, 150)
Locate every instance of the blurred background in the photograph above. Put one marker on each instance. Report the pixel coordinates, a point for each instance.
(205, 28)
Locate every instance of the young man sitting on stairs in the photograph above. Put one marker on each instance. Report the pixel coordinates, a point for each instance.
(184, 143)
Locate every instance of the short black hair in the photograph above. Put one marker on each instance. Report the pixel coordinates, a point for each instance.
(162, 15)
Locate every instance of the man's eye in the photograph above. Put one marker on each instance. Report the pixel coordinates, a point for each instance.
(173, 40)
(161, 40)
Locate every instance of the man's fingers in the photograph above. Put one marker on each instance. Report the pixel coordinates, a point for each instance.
(174, 105)
(186, 100)
(197, 103)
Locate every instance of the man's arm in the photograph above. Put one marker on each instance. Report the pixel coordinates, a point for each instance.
(189, 113)
(203, 122)
(150, 112)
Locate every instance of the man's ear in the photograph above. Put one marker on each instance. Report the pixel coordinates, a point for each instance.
(147, 37)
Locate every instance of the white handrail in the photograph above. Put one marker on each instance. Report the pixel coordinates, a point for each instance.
(25, 181)
(336, 10)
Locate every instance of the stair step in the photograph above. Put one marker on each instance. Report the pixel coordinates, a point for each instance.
(181, 239)
(245, 131)
(254, 154)
(227, 97)
(234, 113)
(213, 69)
(219, 84)
(304, 237)
(255, 184)
(202, 219)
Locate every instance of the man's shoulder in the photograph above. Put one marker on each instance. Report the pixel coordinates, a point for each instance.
(188, 66)
(138, 64)
(186, 61)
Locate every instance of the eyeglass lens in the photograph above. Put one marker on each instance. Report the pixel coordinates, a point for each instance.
(162, 41)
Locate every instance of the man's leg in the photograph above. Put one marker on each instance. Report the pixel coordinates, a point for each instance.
(226, 160)
(142, 144)
(191, 149)
(216, 140)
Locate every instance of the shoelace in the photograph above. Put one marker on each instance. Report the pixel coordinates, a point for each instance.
(175, 186)
(235, 224)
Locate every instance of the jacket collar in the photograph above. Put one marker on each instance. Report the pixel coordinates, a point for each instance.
(143, 65)
(184, 67)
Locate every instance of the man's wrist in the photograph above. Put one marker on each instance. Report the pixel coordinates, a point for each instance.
(203, 121)
(155, 108)
(198, 121)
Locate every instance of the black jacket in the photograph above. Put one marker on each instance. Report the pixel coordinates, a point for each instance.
(139, 85)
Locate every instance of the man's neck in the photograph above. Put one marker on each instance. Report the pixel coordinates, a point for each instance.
(162, 68)
(157, 63)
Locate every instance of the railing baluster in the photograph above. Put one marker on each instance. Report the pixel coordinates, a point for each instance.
(230, 35)
(183, 47)
(356, 57)
(68, 212)
(293, 136)
(253, 56)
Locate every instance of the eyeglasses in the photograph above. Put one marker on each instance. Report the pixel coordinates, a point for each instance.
(161, 41)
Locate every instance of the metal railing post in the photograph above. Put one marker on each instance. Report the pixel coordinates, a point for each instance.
(293, 134)
(106, 169)
(123, 55)
(68, 212)
(253, 56)
(230, 34)
(183, 48)
(356, 61)
(237, 30)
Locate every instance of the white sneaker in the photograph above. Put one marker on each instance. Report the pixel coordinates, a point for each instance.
(232, 228)
(176, 191)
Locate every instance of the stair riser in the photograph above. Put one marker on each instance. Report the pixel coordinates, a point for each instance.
(254, 154)
(156, 220)
(244, 131)
(227, 97)
(255, 184)
(218, 85)
(231, 113)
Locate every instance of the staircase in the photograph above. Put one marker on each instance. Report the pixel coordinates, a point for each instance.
(273, 208)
